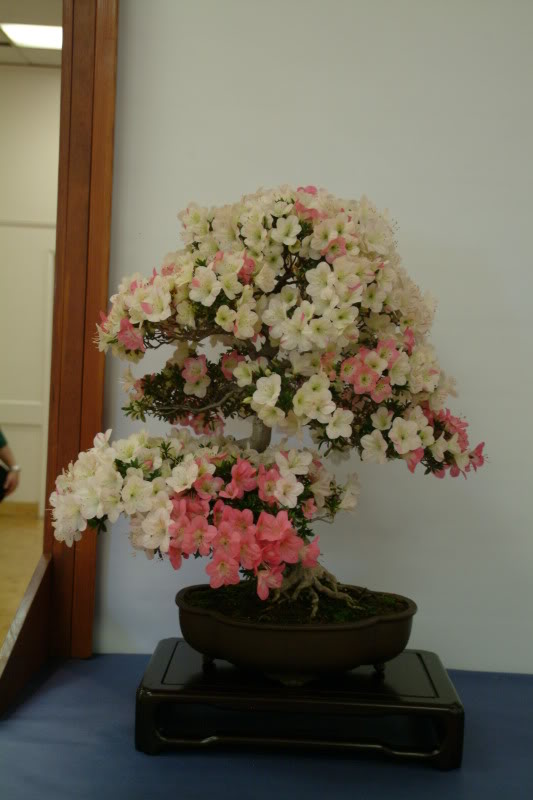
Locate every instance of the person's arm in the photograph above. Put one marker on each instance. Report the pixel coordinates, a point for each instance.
(13, 476)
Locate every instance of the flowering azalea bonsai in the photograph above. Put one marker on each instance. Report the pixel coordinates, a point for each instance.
(291, 309)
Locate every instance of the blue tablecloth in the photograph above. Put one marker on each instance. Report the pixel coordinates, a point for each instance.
(72, 737)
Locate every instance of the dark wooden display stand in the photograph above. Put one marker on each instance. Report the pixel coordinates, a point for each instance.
(409, 711)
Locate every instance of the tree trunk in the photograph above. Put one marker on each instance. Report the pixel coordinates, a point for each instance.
(261, 435)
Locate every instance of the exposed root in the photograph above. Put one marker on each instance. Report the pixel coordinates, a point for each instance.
(315, 581)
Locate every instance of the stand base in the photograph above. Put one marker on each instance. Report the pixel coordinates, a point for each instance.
(411, 711)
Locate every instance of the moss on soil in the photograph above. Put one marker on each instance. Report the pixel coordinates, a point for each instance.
(241, 602)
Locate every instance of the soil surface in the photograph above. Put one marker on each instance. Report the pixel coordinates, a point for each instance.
(241, 602)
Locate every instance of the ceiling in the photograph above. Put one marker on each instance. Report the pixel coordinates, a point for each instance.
(29, 12)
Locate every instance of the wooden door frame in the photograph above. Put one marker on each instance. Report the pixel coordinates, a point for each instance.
(55, 618)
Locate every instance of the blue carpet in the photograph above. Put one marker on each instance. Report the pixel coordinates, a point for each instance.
(72, 737)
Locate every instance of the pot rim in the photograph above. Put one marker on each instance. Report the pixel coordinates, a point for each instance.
(410, 611)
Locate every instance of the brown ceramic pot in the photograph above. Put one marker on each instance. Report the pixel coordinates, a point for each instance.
(303, 649)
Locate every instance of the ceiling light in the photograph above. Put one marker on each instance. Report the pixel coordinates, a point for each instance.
(44, 37)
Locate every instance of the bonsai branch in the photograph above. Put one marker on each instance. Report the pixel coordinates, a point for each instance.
(201, 409)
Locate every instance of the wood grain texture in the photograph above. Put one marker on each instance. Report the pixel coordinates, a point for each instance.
(26, 646)
(55, 617)
(96, 298)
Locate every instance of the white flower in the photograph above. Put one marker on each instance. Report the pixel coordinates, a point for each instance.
(399, 370)
(320, 332)
(245, 321)
(204, 287)
(68, 519)
(185, 314)
(127, 449)
(275, 316)
(340, 425)
(225, 317)
(267, 390)
(382, 418)
(375, 362)
(350, 494)
(404, 435)
(243, 373)
(321, 282)
(287, 490)
(155, 528)
(101, 440)
(266, 279)
(321, 487)
(343, 317)
(183, 475)
(426, 436)
(374, 448)
(373, 298)
(295, 461)
(198, 388)
(271, 416)
(286, 230)
(136, 495)
(90, 497)
(438, 448)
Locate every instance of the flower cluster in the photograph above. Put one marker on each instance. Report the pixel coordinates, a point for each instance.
(186, 496)
(318, 323)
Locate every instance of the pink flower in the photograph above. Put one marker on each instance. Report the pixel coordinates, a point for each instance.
(129, 336)
(177, 530)
(386, 349)
(309, 508)
(103, 321)
(199, 536)
(273, 528)
(365, 380)
(308, 189)
(174, 556)
(218, 512)
(196, 506)
(335, 248)
(310, 552)
(290, 547)
(227, 540)
(381, 391)
(266, 481)
(223, 570)
(207, 486)
(247, 270)
(194, 369)
(327, 359)
(349, 369)
(249, 551)
(409, 340)
(268, 579)
(242, 521)
(243, 479)
(229, 362)
(477, 459)
(413, 458)
(304, 211)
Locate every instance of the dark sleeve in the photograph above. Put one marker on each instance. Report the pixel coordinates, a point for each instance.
(3, 440)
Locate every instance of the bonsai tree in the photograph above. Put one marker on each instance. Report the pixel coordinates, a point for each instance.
(289, 309)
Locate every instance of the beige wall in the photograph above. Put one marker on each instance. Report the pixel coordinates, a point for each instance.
(426, 107)
(29, 145)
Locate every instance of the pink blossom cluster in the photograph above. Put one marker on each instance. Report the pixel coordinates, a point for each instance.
(236, 541)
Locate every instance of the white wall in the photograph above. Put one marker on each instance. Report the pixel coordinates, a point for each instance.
(29, 149)
(426, 107)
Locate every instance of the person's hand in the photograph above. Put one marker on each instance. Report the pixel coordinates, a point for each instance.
(11, 482)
